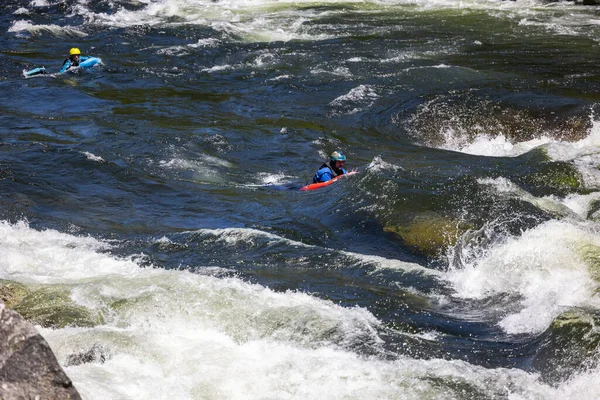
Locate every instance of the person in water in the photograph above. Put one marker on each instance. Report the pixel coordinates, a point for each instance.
(74, 59)
(332, 169)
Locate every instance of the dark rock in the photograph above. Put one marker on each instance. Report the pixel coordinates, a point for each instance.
(28, 367)
(96, 354)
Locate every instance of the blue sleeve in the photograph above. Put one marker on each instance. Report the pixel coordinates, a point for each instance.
(326, 176)
(83, 58)
(322, 175)
(344, 171)
(65, 66)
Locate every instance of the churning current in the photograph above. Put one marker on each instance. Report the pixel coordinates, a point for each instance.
(152, 229)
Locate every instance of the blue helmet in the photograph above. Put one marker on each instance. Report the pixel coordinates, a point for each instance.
(337, 156)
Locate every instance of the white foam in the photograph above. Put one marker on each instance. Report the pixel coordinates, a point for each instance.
(499, 146)
(233, 236)
(338, 71)
(359, 93)
(52, 257)
(278, 78)
(584, 154)
(210, 42)
(92, 157)
(274, 179)
(580, 204)
(203, 167)
(217, 68)
(255, 21)
(22, 25)
(174, 334)
(378, 164)
(285, 20)
(356, 100)
(210, 366)
(489, 145)
(574, 206)
(173, 51)
(544, 266)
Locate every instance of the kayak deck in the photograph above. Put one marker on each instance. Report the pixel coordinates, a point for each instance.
(318, 185)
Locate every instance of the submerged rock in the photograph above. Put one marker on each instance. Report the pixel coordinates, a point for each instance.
(429, 233)
(594, 211)
(52, 307)
(29, 369)
(48, 306)
(591, 255)
(552, 178)
(569, 346)
(11, 292)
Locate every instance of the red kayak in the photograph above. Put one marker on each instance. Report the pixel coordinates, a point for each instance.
(315, 186)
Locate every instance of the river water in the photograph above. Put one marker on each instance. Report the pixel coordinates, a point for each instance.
(150, 217)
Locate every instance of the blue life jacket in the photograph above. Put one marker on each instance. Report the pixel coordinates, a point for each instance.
(69, 64)
(326, 173)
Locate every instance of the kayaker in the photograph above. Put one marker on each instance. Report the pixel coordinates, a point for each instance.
(74, 59)
(335, 167)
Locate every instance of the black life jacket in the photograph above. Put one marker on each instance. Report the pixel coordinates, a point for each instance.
(73, 63)
(335, 172)
(328, 166)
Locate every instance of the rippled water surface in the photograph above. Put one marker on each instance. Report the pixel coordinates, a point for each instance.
(151, 219)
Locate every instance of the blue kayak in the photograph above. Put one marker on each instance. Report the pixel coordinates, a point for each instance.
(34, 72)
(89, 63)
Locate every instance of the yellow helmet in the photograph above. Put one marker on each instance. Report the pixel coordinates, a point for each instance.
(74, 51)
